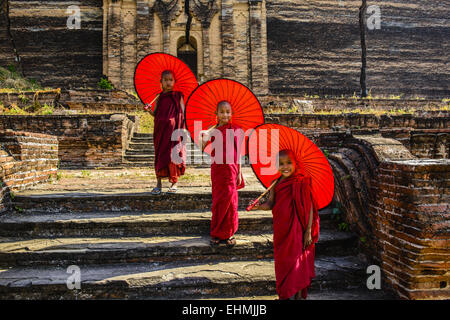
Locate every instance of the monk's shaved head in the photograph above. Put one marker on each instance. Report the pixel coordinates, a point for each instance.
(166, 73)
(223, 103)
(286, 152)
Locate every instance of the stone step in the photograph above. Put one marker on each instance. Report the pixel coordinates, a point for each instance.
(132, 224)
(335, 294)
(142, 139)
(174, 280)
(149, 154)
(29, 201)
(151, 164)
(142, 145)
(67, 251)
(139, 157)
(142, 135)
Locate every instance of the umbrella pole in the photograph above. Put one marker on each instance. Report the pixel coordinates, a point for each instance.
(254, 202)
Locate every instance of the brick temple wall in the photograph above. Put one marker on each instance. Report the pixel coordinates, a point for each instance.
(411, 212)
(314, 47)
(399, 205)
(84, 140)
(25, 159)
(49, 51)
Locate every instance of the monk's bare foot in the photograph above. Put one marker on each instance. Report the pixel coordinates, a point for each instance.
(298, 296)
(231, 242)
(173, 188)
(214, 241)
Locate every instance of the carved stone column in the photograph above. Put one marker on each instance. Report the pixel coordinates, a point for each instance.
(226, 19)
(166, 10)
(128, 43)
(144, 28)
(114, 34)
(205, 10)
(259, 81)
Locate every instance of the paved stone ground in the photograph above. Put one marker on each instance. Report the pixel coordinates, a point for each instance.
(130, 244)
(132, 180)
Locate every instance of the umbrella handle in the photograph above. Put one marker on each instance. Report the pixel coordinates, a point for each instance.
(254, 202)
(148, 105)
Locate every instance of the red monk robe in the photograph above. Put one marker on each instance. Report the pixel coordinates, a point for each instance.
(224, 222)
(168, 117)
(294, 267)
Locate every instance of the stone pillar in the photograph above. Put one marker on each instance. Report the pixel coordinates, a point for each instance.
(128, 44)
(259, 81)
(227, 29)
(114, 34)
(144, 28)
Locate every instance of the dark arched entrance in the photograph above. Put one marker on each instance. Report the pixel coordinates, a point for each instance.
(187, 52)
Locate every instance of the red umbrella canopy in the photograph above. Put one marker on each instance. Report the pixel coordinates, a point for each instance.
(267, 140)
(147, 76)
(202, 105)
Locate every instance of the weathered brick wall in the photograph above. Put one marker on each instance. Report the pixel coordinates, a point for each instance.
(399, 205)
(428, 143)
(25, 159)
(355, 120)
(84, 140)
(49, 51)
(411, 218)
(314, 47)
(6, 47)
(283, 103)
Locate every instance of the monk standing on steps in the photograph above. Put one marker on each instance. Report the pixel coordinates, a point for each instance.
(295, 227)
(169, 116)
(226, 176)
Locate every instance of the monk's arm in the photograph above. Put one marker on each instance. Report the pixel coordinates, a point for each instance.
(308, 227)
(268, 205)
(203, 138)
(156, 106)
(307, 240)
(182, 104)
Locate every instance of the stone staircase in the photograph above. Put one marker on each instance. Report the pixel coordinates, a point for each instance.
(139, 246)
(141, 152)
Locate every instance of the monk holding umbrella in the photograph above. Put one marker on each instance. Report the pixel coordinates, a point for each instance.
(225, 109)
(163, 82)
(302, 184)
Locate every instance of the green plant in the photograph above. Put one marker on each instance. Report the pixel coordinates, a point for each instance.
(18, 208)
(345, 177)
(326, 153)
(12, 195)
(105, 84)
(343, 226)
(337, 212)
(12, 68)
(58, 175)
(46, 109)
(85, 173)
(363, 239)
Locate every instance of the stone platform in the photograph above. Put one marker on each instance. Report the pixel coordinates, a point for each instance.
(130, 244)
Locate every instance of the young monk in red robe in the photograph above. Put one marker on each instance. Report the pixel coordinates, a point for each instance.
(226, 177)
(295, 227)
(169, 114)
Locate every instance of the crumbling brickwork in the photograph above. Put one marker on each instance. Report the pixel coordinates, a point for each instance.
(84, 140)
(25, 159)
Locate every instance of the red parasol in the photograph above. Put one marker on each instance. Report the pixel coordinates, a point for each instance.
(147, 76)
(202, 104)
(263, 159)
